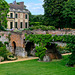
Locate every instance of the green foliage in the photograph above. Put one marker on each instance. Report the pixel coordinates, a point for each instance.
(68, 13)
(53, 13)
(3, 52)
(62, 49)
(35, 20)
(71, 61)
(6, 43)
(4, 9)
(43, 40)
(71, 48)
(40, 51)
(2, 34)
(59, 13)
(9, 36)
(42, 27)
(35, 23)
(1, 44)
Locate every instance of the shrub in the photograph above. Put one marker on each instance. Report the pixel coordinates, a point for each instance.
(6, 43)
(71, 48)
(40, 52)
(35, 23)
(71, 61)
(42, 27)
(1, 44)
(3, 52)
(2, 28)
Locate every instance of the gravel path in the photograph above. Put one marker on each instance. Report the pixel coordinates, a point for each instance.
(67, 54)
(24, 59)
(19, 59)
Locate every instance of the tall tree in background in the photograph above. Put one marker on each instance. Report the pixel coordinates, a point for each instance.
(35, 19)
(68, 14)
(53, 12)
(4, 9)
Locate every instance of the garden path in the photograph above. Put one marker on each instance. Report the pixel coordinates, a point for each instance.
(24, 59)
(19, 59)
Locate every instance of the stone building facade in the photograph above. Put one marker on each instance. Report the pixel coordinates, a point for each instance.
(18, 16)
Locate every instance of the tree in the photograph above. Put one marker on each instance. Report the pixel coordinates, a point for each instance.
(4, 9)
(69, 13)
(53, 12)
(35, 20)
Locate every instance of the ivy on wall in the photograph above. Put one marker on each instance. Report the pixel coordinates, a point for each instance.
(43, 40)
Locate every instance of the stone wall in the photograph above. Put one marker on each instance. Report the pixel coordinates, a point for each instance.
(20, 52)
(3, 37)
(54, 32)
(18, 38)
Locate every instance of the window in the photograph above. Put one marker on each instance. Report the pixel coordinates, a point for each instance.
(21, 25)
(16, 16)
(15, 24)
(26, 16)
(11, 15)
(26, 25)
(11, 25)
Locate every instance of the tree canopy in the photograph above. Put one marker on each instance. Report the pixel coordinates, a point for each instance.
(59, 13)
(69, 13)
(4, 9)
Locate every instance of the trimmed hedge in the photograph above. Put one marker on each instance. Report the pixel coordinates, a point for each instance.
(42, 27)
(35, 23)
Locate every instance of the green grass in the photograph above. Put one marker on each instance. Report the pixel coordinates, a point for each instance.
(33, 67)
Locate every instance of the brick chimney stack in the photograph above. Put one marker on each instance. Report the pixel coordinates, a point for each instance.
(22, 3)
(14, 2)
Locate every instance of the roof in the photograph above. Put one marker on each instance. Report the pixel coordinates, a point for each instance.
(17, 6)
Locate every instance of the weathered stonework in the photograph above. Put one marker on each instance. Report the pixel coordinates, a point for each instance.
(20, 52)
(17, 42)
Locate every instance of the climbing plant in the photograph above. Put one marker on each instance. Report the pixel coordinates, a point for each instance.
(9, 36)
(43, 40)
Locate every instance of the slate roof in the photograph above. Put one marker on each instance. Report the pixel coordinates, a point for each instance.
(16, 6)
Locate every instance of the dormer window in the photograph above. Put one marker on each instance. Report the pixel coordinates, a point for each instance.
(16, 16)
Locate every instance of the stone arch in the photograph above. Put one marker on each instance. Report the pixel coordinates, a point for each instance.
(14, 46)
(52, 51)
(29, 48)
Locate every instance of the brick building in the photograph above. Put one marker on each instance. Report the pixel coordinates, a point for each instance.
(18, 16)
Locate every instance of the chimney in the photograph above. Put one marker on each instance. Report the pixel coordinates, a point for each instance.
(14, 2)
(22, 3)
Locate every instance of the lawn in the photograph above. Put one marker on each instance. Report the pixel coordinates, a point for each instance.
(33, 67)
